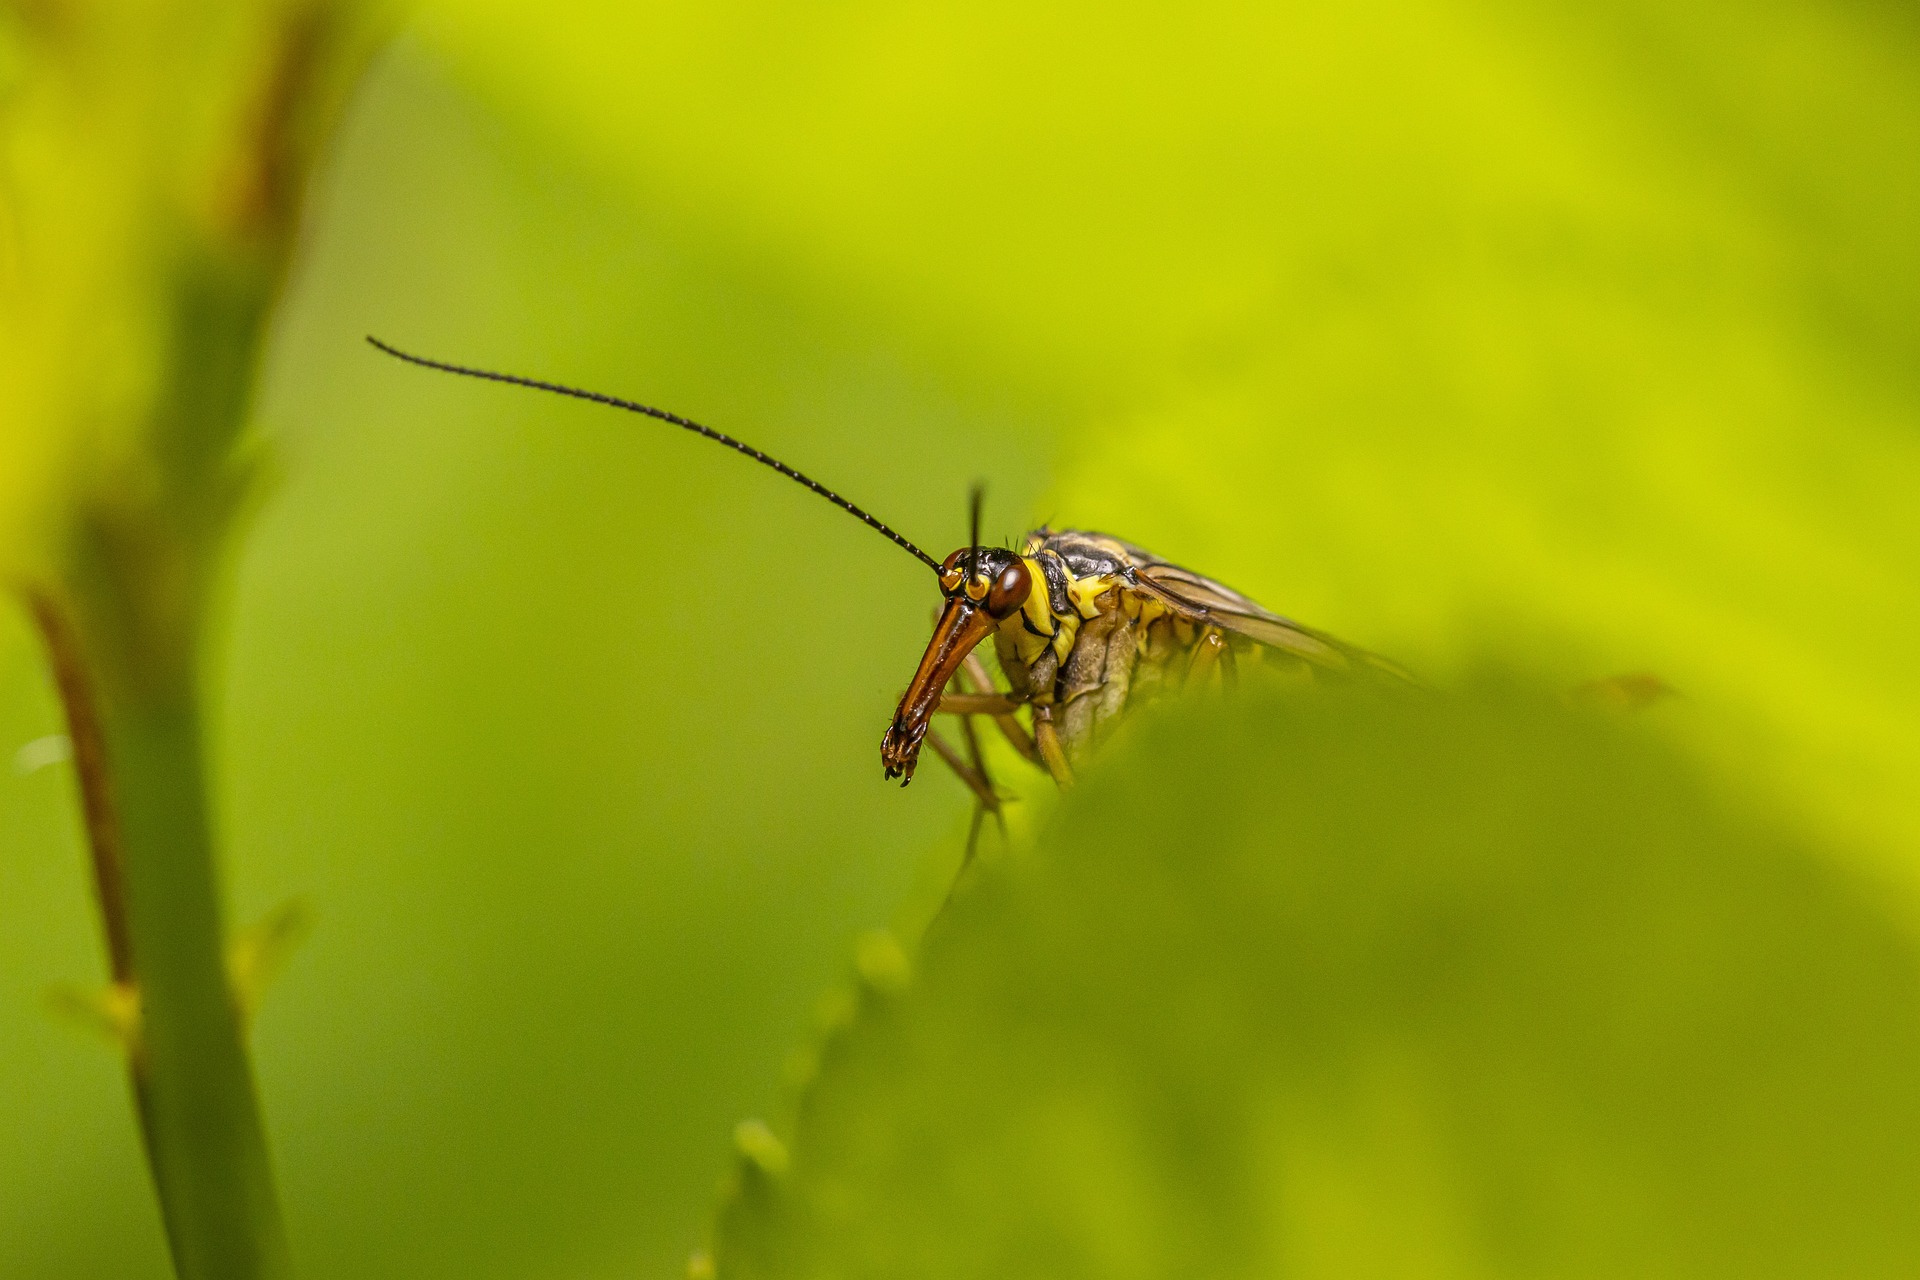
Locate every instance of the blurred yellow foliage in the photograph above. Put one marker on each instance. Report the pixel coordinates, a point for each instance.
(153, 155)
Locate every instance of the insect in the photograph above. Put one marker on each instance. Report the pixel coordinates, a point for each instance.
(1084, 626)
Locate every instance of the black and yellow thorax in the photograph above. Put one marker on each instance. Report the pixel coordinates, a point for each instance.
(1090, 624)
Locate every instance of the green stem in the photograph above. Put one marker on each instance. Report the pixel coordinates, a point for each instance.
(144, 793)
(191, 1074)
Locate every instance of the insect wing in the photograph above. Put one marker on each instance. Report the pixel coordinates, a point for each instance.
(1203, 600)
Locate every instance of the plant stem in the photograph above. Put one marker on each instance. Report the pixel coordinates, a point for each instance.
(195, 1086)
(169, 146)
(144, 798)
(90, 764)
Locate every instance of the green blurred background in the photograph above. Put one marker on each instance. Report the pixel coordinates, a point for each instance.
(1576, 338)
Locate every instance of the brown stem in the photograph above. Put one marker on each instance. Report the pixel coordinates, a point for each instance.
(90, 764)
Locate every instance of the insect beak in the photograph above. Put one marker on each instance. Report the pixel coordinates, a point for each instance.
(962, 625)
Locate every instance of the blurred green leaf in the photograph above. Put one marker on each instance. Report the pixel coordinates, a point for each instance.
(1304, 987)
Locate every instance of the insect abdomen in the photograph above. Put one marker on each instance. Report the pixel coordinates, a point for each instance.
(1096, 678)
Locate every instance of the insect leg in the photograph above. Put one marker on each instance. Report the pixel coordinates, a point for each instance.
(979, 763)
(1047, 738)
(973, 841)
(966, 859)
(977, 704)
(976, 781)
(1207, 652)
(973, 772)
(974, 673)
(976, 677)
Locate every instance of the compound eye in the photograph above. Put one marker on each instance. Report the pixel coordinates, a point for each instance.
(1009, 590)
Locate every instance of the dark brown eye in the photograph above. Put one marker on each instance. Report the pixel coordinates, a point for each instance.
(1009, 590)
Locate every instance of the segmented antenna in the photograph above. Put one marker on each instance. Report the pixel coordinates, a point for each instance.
(973, 530)
(686, 424)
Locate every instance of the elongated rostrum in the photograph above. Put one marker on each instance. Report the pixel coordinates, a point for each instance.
(1084, 626)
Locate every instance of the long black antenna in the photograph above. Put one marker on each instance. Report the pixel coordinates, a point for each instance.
(678, 421)
(973, 529)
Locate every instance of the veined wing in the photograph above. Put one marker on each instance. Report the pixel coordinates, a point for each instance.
(1202, 599)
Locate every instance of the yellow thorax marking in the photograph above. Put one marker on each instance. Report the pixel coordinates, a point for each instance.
(1143, 609)
(1063, 638)
(1083, 592)
(1037, 607)
(1083, 596)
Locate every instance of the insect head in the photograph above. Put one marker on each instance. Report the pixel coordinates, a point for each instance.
(983, 587)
